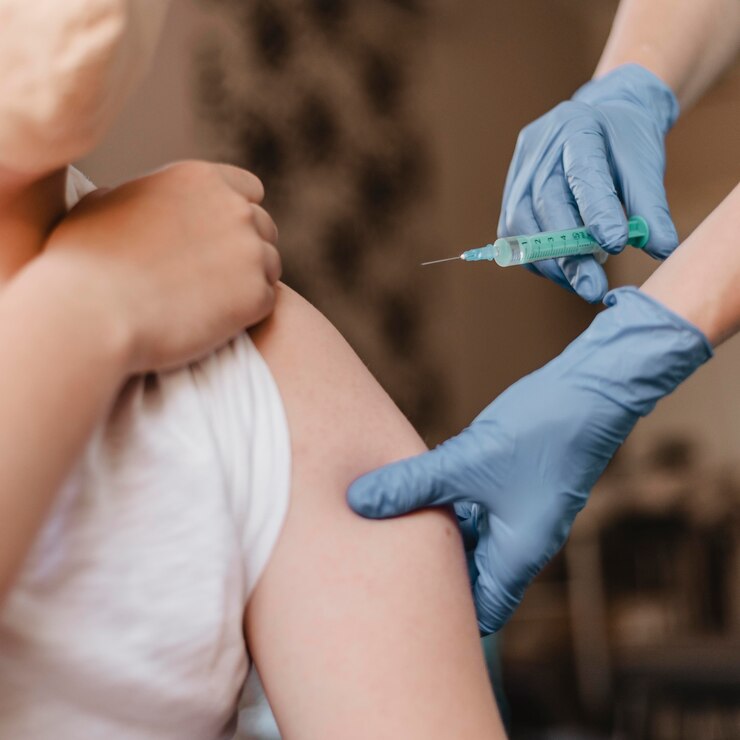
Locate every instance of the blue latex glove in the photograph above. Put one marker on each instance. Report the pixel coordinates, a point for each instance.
(585, 158)
(525, 466)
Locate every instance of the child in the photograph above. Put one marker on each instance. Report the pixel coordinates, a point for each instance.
(207, 513)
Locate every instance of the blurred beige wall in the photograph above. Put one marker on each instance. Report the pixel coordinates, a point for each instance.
(492, 67)
(158, 124)
(486, 80)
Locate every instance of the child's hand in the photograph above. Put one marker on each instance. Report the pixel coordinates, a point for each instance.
(181, 260)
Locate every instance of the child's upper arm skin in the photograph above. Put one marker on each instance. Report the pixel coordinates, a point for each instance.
(359, 628)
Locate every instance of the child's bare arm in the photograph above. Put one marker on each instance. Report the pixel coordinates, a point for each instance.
(360, 629)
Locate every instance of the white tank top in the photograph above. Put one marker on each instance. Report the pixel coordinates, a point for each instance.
(126, 621)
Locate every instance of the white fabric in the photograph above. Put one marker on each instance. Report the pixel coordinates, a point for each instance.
(126, 621)
(67, 67)
(78, 186)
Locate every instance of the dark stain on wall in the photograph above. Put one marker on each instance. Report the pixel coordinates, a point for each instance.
(314, 96)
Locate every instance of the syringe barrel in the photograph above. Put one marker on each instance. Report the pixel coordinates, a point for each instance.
(519, 250)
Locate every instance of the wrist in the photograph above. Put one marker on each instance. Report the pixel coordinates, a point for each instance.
(701, 309)
(634, 353)
(699, 280)
(638, 85)
(60, 289)
(655, 348)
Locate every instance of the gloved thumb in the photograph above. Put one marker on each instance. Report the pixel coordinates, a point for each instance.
(401, 487)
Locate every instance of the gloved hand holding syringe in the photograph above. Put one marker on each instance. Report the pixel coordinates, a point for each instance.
(520, 250)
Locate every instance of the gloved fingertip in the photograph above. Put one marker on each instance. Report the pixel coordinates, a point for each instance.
(467, 521)
(490, 620)
(589, 293)
(486, 628)
(366, 498)
(587, 278)
(465, 510)
(611, 234)
(663, 239)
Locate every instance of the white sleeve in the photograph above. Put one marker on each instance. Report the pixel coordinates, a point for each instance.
(250, 426)
(78, 186)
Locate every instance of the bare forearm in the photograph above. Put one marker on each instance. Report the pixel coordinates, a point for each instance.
(62, 364)
(699, 280)
(684, 42)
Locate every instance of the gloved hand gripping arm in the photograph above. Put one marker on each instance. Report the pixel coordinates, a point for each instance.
(525, 467)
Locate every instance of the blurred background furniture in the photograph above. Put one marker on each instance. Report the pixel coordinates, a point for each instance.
(652, 582)
(637, 620)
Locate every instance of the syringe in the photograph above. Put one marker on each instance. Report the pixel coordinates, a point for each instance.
(519, 250)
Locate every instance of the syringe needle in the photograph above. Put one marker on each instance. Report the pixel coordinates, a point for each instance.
(446, 259)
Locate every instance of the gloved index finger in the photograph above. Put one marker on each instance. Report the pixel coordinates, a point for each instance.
(590, 179)
(555, 208)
